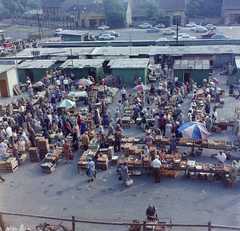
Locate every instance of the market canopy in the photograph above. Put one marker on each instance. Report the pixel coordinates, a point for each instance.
(66, 104)
(37, 64)
(194, 130)
(82, 63)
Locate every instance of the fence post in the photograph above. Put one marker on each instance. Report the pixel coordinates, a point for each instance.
(209, 226)
(1, 221)
(144, 225)
(73, 223)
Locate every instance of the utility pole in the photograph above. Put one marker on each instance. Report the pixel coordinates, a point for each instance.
(177, 30)
(38, 26)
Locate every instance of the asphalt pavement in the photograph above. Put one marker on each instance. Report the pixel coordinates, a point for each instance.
(65, 193)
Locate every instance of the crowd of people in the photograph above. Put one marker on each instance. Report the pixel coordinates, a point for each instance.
(19, 130)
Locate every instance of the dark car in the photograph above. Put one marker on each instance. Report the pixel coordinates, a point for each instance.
(208, 35)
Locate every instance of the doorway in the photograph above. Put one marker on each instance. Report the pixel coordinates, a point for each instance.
(186, 77)
(3, 88)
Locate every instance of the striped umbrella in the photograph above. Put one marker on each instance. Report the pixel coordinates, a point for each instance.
(84, 82)
(194, 130)
(141, 88)
(66, 104)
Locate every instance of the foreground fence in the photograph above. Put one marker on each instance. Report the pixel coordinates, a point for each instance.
(209, 226)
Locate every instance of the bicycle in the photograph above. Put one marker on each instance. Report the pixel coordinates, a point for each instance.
(48, 227)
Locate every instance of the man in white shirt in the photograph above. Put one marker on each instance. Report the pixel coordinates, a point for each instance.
(58, 83)
(221, 158)
(65, 82)
(157, 169)
(9, 132)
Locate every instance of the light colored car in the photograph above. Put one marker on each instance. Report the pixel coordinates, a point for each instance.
(200, 29)
(174, 27)
(58, 32)
(106, 37)
(168, 31)
(160, 25)
(179, 35)
(103, 27)
(186, 37)
(191, 24)
(220, 36)
(145, 26)
(153, 30)
(162, 39)
(210, 27)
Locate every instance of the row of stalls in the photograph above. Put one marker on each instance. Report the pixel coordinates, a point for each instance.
(188, 62)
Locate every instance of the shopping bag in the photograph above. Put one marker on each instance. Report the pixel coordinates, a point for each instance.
(129, 182)
(119, 177)
(71, 157)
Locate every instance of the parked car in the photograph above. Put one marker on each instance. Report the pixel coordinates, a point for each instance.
(106, 37)
(179, 35)
(200, 29)
(58, 32)
(186, 37)
(193, 27)
(191, 24)
(112, 33)
(162, 39)
(210, 27)
(220, 36)
(174, 27)
(160, 25)
(208, 35)
(168, 31)
(103, 27)
(145, 26)
(153, 29)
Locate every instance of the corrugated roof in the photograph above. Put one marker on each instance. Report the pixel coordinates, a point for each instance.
(127, 51)
(82, 63)
(98, 8)
(190, 64)
(129, 63)
(37, 64)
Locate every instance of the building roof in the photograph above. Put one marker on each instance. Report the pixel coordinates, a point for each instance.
(133, 51)
(129, 63)
(4, 68)
(37, 64)
(74, 32)
(191, 64)
(172, 5)
(98, 8)
(82, 63)
(231, 5)
(52, 3)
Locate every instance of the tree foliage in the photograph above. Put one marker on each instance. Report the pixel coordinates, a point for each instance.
(15, 8)
(150, 5)
(160, 17)
(115, 12)
(205, 8)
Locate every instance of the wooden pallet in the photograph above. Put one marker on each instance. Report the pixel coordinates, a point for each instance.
(17, 90)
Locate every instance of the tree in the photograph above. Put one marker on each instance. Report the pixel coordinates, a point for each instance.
(160, 17)
(115, 12)
(150, 6)
(14, 7)
(206, 8)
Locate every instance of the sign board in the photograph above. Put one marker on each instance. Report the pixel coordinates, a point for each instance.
(176, 13)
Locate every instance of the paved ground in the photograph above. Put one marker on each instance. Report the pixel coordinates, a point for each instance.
(65, 192)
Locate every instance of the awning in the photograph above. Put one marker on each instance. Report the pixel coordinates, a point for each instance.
(199, 57)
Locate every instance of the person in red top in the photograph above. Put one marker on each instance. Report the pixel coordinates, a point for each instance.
(67, 150)
(79, 121)
(101, 82)
(162, 123)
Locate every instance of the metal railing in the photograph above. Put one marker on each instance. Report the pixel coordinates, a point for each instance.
(209, 226)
